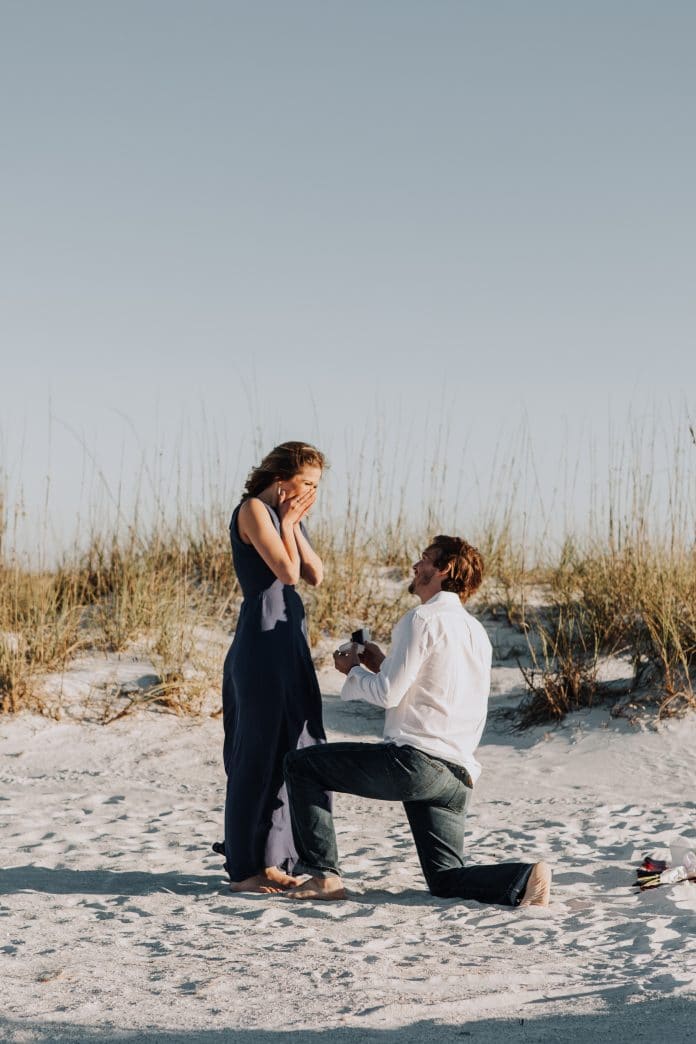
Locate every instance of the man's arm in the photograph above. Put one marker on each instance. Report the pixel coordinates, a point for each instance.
(398, 670)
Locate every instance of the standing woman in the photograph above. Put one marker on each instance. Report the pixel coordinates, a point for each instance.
(270, 694)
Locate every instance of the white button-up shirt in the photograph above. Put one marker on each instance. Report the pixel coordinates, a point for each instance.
(434, 683)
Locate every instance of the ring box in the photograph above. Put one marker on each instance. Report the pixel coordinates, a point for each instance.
(359, 638)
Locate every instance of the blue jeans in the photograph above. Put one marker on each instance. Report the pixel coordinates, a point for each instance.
(435, 795)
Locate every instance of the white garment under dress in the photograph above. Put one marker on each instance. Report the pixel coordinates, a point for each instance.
(434, 683)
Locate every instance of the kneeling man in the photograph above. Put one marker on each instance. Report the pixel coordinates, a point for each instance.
(434, 685)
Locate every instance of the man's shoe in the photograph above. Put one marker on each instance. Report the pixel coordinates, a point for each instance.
(538, 887)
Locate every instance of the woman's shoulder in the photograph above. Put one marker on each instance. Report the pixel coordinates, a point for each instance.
(252, 512)
(253, 507)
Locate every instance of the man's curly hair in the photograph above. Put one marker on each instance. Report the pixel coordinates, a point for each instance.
(463, 562)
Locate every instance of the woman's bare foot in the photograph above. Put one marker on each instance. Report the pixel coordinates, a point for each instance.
(319, 888)
(269, 880)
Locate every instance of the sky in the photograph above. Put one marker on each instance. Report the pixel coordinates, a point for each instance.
(460, 232)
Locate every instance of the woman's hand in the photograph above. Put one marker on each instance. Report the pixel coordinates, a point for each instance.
(293, 509)
(312, 495)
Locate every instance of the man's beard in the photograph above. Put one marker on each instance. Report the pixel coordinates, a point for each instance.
(424, 577)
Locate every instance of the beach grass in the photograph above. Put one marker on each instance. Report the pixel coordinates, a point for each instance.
(625, 587)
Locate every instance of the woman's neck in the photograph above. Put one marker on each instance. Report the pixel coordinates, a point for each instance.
(269, 495)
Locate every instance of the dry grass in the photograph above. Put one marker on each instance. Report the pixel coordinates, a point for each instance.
(154, 592)
(637, 602)
(40, 629)
(564, 661)
(626, 589)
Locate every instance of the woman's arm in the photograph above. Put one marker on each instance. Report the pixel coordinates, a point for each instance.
(311, 567)
(279, 552)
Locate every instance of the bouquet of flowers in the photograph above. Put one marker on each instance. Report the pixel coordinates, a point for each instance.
(655, 872)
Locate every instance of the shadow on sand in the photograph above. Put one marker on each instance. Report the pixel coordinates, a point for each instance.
(57, 881)
(647, 1021)
(361, 720)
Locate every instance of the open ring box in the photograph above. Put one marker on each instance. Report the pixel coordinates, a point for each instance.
(359, 638)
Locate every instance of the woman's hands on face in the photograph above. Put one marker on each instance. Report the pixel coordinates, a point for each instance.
(295, 507)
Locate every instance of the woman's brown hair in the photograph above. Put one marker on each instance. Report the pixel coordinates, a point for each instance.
(462, 560)
(282, 462)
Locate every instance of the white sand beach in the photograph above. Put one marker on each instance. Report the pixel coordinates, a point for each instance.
(116, 923)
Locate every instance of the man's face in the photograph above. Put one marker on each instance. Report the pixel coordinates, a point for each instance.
(423, 571)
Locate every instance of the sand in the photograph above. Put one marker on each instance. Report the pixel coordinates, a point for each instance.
(116, 924)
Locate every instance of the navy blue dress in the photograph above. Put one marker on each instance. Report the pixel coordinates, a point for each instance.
(271, 705)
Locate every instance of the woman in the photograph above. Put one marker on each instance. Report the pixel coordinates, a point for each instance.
(270, 694)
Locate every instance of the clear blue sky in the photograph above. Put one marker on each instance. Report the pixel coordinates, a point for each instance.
(221, 218)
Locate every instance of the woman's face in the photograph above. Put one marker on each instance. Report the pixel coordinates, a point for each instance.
(306, 478)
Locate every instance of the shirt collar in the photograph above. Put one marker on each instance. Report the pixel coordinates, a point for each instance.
(444, 596)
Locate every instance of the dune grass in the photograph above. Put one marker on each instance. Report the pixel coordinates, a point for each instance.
(626, 587)
(638, 602)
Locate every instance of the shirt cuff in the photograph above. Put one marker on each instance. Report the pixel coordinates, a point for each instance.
(352, 692)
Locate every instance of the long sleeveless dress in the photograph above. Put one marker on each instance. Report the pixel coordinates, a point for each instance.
(271, 705)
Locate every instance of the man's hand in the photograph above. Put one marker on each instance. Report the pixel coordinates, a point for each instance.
(345, 661)
(372, 657)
